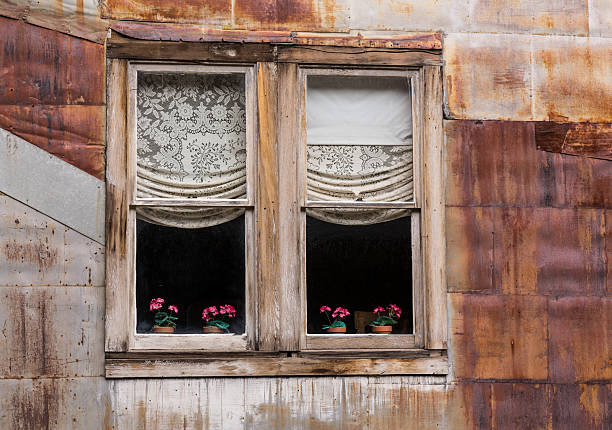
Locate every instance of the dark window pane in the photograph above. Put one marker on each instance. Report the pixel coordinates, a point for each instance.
(192, 269)
(358, 267)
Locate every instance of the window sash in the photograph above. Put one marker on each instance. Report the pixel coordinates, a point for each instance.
(365, 341)
(209, 342)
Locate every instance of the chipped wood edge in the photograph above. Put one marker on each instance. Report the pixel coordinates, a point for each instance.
(289, 366)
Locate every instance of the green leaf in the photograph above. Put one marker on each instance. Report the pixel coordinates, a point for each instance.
(221, 324)
(338, 324)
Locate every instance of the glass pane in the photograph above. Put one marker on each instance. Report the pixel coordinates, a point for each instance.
(358, 268)
(191, 133)
(359, 135)
(191, 269)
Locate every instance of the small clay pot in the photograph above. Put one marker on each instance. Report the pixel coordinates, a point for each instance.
(212, 329)
(382, 329)
(336, 330)
(166, 330)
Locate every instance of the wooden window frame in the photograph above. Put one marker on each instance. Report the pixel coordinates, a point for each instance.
(276, 342)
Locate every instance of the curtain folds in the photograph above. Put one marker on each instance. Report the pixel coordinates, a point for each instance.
(191, 131)
(359, 133)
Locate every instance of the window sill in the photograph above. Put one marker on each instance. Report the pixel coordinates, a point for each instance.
(161, 364)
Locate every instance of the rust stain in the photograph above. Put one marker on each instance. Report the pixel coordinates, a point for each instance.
(211, 12)
(39, 253)
(583, 139)
(192, 33)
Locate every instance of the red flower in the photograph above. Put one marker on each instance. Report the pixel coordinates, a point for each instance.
(173, 309)
(324, 308)
(156, 304)
(340, 312)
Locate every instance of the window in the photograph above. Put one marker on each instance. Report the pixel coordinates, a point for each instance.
(277, 187)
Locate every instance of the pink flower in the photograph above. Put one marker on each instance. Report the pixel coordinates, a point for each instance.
(340, 312)
(395, 309)
(378, 309)
(205, 316)
(156, 304)
(230, 310)
(324, 308)
(173, 309)
(213, 310)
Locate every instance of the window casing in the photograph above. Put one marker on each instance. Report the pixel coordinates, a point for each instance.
(275, 215)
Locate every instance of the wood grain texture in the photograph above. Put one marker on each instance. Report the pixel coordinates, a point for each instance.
(51, 332)
(117, 212)
(433, 207)
(267, 210)
(292, 366)
(288, 208)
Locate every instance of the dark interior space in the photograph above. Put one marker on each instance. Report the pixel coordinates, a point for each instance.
(192, 269)
(359, 268)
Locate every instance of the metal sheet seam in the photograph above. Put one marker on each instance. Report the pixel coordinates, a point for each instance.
(52, 186)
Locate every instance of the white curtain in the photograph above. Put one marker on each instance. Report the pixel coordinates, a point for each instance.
(191, 132)
(359, 134)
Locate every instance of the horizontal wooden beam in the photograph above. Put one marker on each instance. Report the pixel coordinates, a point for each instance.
(289, 366)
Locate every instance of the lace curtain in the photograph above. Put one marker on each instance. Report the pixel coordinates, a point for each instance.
(359, 132)
(191, 133)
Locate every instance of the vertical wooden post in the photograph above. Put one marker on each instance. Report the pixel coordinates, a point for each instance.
(434, 237)
(267, 210)
(117, 255)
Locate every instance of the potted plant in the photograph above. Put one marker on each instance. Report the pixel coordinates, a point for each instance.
(386, 318)
(336, 326)
(217, 320)
(165, 322)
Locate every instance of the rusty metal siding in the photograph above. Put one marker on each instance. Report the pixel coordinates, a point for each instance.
(52, 93)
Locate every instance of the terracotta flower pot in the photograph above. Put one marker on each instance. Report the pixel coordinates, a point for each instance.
(212, 329)
(382, 329)
(336, 330)
(166, 330)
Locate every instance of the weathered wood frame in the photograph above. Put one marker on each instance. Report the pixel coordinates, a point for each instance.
(277, 311)
(365, 341)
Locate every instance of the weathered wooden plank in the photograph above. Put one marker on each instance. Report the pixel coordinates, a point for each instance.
(124, 47)
(195, 33)
(292, 403)
(40, 180)
(46, 67)
(357, 56)
(38, 251)
(82, 403)
(267, 210)
(580, 331)
(571, 79)
(51, 332)
(288, 208)
(499, 337)
(584, 139)
(433, 206)
(293, 366)
(607, 256)
(488, 76)
(117, 211)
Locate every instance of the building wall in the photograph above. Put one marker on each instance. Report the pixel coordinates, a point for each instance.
(528, 231)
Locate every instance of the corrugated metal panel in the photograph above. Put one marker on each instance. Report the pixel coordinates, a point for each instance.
(52, 186)
(38, 251)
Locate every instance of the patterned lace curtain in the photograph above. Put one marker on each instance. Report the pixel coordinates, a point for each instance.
(359, 133)
(191, 132)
